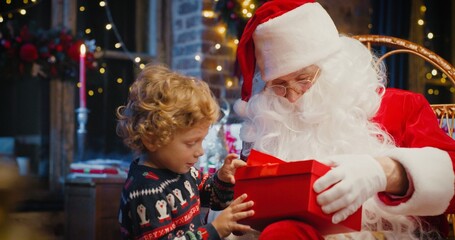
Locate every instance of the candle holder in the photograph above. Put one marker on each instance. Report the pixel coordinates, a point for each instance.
(82, 117)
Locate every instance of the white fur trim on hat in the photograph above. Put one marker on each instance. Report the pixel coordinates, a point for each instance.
(430, 170)
(294, 40)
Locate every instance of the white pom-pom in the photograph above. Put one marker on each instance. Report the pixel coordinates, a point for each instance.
(240, 107)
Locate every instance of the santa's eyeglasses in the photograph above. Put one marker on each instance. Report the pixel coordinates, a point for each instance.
(300, 86)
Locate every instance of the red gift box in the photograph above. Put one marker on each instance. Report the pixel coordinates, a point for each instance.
(282, 190)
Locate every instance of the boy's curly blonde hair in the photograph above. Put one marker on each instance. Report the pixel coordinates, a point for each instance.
(162, 102)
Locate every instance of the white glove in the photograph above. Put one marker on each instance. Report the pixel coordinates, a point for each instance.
(352, 180)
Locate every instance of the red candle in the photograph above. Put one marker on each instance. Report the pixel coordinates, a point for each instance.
(82, 96)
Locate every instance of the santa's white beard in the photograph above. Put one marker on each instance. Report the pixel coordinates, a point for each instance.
(304, 130)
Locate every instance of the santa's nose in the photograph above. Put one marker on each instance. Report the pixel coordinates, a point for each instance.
(292, 95)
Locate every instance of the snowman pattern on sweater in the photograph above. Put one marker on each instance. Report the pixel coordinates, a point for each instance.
(160, 204)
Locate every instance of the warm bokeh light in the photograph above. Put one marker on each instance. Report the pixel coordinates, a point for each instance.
(222, 29)
(423, 8)
(229, 83)
(208, 13)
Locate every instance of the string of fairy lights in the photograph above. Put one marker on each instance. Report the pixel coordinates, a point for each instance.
(243, 11)
(433, 74)
(9, 8)
(120, 44)
(247, 8)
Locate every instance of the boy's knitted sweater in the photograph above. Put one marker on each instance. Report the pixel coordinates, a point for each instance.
(160, 204)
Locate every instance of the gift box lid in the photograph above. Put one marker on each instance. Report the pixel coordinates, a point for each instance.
(260, 164)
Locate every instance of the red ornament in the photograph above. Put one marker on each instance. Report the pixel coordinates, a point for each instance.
(230, 4)
(59, 48)
(6, 44)
(74, 49)
(18, 39)
(89, 59)
(28, 52)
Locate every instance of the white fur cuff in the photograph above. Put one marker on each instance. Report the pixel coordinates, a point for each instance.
(431, 172)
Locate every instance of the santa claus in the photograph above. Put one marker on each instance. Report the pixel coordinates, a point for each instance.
(309, 93)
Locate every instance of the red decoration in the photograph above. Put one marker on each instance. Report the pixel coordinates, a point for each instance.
(74, 49)
(230, 141)
(230, 5)
(6, 44)
(90, 61)
(28, 52)
(56, 51)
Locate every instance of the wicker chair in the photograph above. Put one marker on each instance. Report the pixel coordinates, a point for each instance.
(444, 112)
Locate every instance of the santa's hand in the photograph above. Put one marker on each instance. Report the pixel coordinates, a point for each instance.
(352, 180)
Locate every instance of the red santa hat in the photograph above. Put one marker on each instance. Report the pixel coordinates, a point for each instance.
(284, 36)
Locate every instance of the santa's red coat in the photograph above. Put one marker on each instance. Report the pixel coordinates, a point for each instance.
(410, 120)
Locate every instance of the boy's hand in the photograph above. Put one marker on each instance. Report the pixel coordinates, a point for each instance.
(227, 171)
(226, 222)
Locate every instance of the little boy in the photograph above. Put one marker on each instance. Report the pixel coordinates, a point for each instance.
(165, 120)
